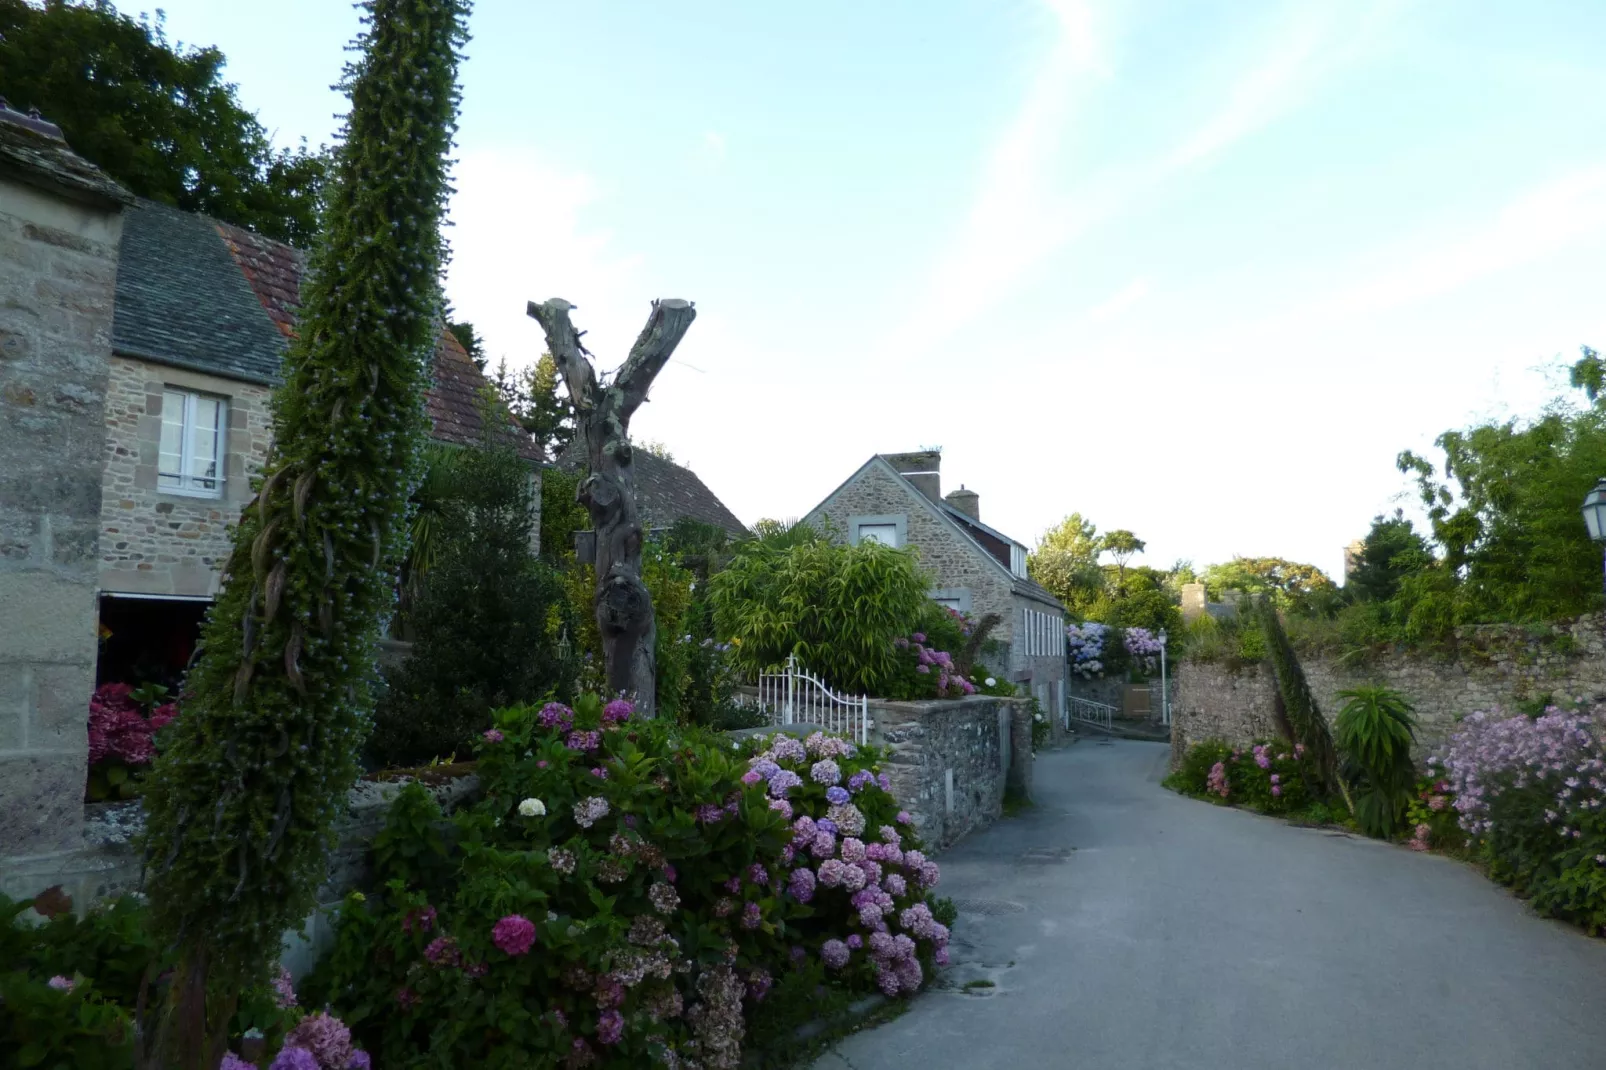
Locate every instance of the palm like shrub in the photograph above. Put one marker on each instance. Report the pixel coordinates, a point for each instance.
(1374, 733)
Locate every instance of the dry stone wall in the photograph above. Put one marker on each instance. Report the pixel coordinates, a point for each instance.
(1488, 667)
(951, 761)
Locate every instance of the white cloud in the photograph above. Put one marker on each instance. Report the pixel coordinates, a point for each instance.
(521, 232)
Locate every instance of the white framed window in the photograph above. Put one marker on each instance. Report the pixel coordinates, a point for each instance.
(888, 530)
(1017, 559)
(191, 456)
(885, 534)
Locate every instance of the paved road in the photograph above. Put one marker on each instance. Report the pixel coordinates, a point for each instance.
(1124, 926)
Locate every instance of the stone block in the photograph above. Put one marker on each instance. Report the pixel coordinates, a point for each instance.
(41, 802)
(60, 717)
(47, 618)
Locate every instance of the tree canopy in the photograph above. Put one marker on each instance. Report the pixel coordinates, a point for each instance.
(1066, 562)
(1290, 583)
(533, 398)
(156, 115)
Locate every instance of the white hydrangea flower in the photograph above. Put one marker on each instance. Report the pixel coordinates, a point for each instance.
(532, 808)
(991, 682)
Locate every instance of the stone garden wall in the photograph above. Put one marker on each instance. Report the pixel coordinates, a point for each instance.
(951, 761)
(1488, 666)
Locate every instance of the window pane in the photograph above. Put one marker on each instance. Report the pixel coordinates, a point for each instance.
(205, 439)
(885, 534)
(169, 462)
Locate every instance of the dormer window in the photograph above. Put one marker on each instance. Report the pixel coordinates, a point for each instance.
(1017, 559)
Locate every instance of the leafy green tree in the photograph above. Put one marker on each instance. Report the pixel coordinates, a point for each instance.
(1392, 550)
(532, 396)
(472, 343)
(482, 621)
(1066, 562)
(1504, 512)
(561, 513)
(1120, 545)
(155, 115)
(252, 773)
(1292, 585)
(837, 607)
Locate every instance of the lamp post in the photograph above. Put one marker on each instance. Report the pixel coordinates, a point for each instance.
(1595, 516)
(1165, 692)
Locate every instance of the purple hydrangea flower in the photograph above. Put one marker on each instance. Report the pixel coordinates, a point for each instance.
(294, 1058)
(784, 781)
(825, 771)
(617, 711)
(492, 735)
(860, 780)
(835, 954)
(514, 934)
(836, 796)
(801, 884)
(610, 1027)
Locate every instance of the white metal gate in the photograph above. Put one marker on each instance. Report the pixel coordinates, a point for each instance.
(793, 695)
(1093, 714)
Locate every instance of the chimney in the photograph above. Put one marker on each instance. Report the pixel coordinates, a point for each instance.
(29, 120)
(1352, 558)
(1193, 601)
(923, 469)
(966, 501)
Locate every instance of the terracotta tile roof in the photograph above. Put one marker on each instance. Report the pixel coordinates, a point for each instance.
(180, 300)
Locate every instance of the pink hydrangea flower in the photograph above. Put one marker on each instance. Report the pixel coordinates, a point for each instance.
(493, 736)
(514, 934)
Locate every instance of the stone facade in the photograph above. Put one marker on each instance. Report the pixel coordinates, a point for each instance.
(1493, 666)
(951, 761)
(153, 541)
(58, 268)
(961, 569)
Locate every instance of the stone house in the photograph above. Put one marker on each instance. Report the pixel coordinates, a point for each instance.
(139, 347)
(897, 499)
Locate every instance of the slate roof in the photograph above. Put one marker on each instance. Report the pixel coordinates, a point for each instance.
(666, 492)
(32, 151)
(213, 297)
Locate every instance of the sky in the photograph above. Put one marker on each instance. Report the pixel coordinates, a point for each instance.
(1199, 270)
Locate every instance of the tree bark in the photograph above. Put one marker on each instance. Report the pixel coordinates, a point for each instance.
(602, 413)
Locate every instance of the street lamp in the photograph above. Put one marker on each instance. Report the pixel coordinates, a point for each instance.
(1165, 692)
(1595, 513)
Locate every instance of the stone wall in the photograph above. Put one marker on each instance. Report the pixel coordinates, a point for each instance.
(58, 270)
(950, 761)
(1489, 666)
(152, 541)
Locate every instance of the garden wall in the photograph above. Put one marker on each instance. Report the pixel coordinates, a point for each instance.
(950, 761)
(1488, 666)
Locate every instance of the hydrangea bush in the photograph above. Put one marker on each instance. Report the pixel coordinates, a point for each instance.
(1531, 795)
(926, 672)
(628, 892)
(1271, 775)
(1084, 644)
(122, 738)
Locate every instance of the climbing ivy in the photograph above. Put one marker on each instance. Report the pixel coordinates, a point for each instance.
(251, 775)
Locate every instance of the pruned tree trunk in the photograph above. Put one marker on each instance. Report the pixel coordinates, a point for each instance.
(602, 426)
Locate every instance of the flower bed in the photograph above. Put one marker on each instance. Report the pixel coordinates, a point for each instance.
(1271, 776)
(1530, 795)
(630, 892)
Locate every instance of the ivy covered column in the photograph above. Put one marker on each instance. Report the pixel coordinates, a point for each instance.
(254, 771)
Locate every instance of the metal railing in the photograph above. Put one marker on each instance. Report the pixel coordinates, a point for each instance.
(793, 695)
(1093, 714)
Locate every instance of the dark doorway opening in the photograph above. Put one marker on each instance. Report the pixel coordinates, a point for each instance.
(147, 640)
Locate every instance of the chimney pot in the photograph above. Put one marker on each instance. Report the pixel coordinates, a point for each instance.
(966, 501)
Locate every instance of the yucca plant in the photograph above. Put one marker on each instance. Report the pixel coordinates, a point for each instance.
(1374, 733)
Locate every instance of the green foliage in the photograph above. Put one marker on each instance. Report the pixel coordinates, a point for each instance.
(661, 884)
(1297, 703)
(484, 623)
(1374, 732)
(156, 116)
(253, 771)
(470, 340)
(1292, 586)
(1120, 545)
(561, 514)
(1066, 561)
(1391, 551)
(837, 607)
(1273, 776)
(1504, 513)
(1432, 815)
(532, 396)
(671, 589)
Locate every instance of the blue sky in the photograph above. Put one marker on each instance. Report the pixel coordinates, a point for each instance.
(1197, 269)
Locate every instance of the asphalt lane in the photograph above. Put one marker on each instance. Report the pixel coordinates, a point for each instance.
(1116, 925)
